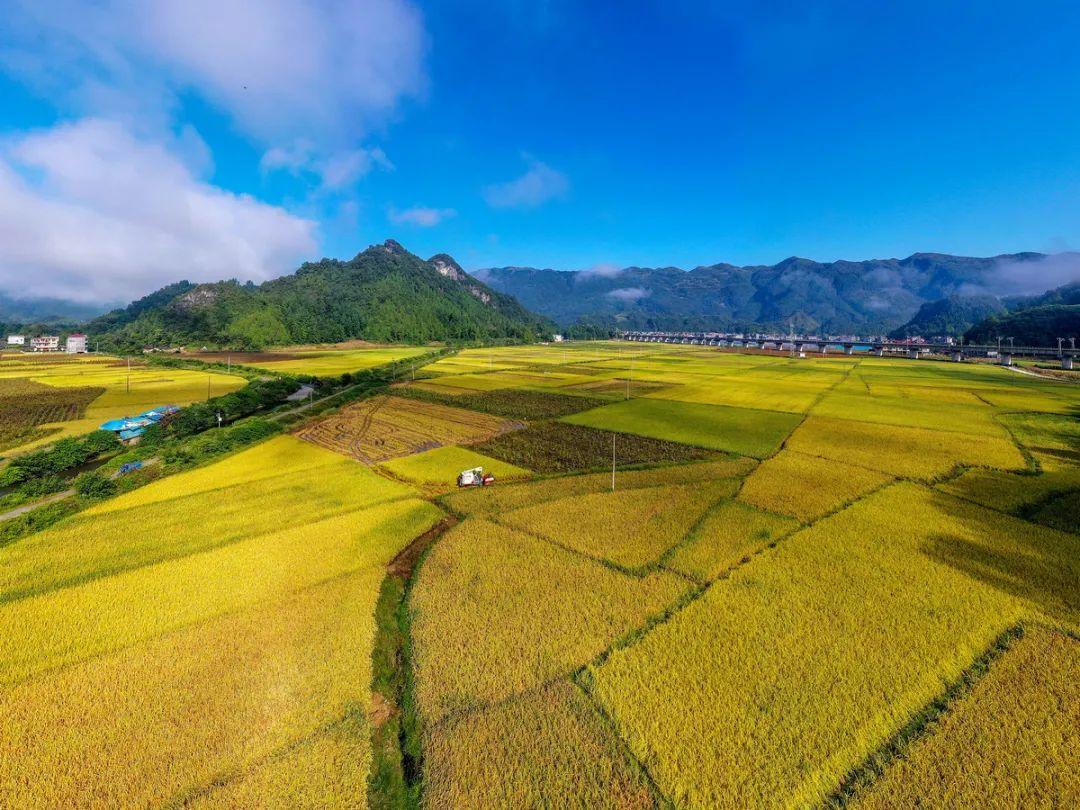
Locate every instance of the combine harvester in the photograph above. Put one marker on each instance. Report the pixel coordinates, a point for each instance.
(476, 477)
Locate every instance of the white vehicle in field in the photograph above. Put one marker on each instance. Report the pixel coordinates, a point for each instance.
(476, 477)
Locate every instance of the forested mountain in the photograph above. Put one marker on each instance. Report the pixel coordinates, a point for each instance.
(1034, 321)
(951, 316)
(1035, 326)
(385, 293)
(865, 297)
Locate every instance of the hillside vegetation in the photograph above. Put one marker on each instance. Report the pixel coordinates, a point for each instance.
(385, 293)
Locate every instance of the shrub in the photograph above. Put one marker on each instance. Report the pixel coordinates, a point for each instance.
(95, 485)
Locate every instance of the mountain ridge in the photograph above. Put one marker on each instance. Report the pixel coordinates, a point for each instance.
(869, 296)
(384, 293)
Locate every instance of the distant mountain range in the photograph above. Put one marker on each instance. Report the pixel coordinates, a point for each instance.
(385, 293)
(864, 297)
(45, 311)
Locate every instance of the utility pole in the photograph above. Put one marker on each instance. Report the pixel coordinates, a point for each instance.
(228, 359)
(129, 375)
(208, 379)
(613, 462)
(1060, 341)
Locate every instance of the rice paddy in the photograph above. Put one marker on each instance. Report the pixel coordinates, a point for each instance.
(787, 596)
(120, 391)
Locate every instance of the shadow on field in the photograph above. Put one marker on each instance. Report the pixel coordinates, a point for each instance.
(1045, 573)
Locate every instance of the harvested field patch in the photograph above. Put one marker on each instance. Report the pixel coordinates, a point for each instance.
(1011, 742)
(728, 534)
(382, 428)
(549, 748)
(499, 500)
(806, 488)
(557, 447)
(25, 405)
(497, 612)
(509, 402)
(745, 431)
(630, 527)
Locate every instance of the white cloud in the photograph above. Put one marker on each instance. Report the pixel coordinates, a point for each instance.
(628, 294)
(601, 270)
(282, 69)
(538, 185)
(333, 173)
(92, 212)
(420, 215)
(1018, 277)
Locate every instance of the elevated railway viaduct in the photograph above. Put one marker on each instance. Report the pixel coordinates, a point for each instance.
(957, 353)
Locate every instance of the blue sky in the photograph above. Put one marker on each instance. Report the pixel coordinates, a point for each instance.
(142, 142)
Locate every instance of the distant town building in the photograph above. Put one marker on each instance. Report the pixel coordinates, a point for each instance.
(16, 340)
(76, 343)
(45, 343)
(559, 338)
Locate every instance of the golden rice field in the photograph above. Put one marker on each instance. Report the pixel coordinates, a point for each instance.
(208, 625)
(1017, 731)
(844, 581)
(120, 391)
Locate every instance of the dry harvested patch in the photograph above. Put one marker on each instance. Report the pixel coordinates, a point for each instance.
(1011, 742)
(499, 500)
(790, 672)
(382, 428)
(549, 748)
(497, 612)
(805, 487)
(630, 527)
(902, 451)
(555, 447)
(25, 405)
(729, 533)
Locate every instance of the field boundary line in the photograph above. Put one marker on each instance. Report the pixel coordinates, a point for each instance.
(924, 723)
(583, 681)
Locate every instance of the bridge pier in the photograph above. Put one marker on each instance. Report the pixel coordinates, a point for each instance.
(1006, 360)
(957, 357)
(1067, 363)
(879, 352)
(913, 354)
(849, 350)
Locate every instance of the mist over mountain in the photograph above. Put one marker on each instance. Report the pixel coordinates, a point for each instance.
(873, 296)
